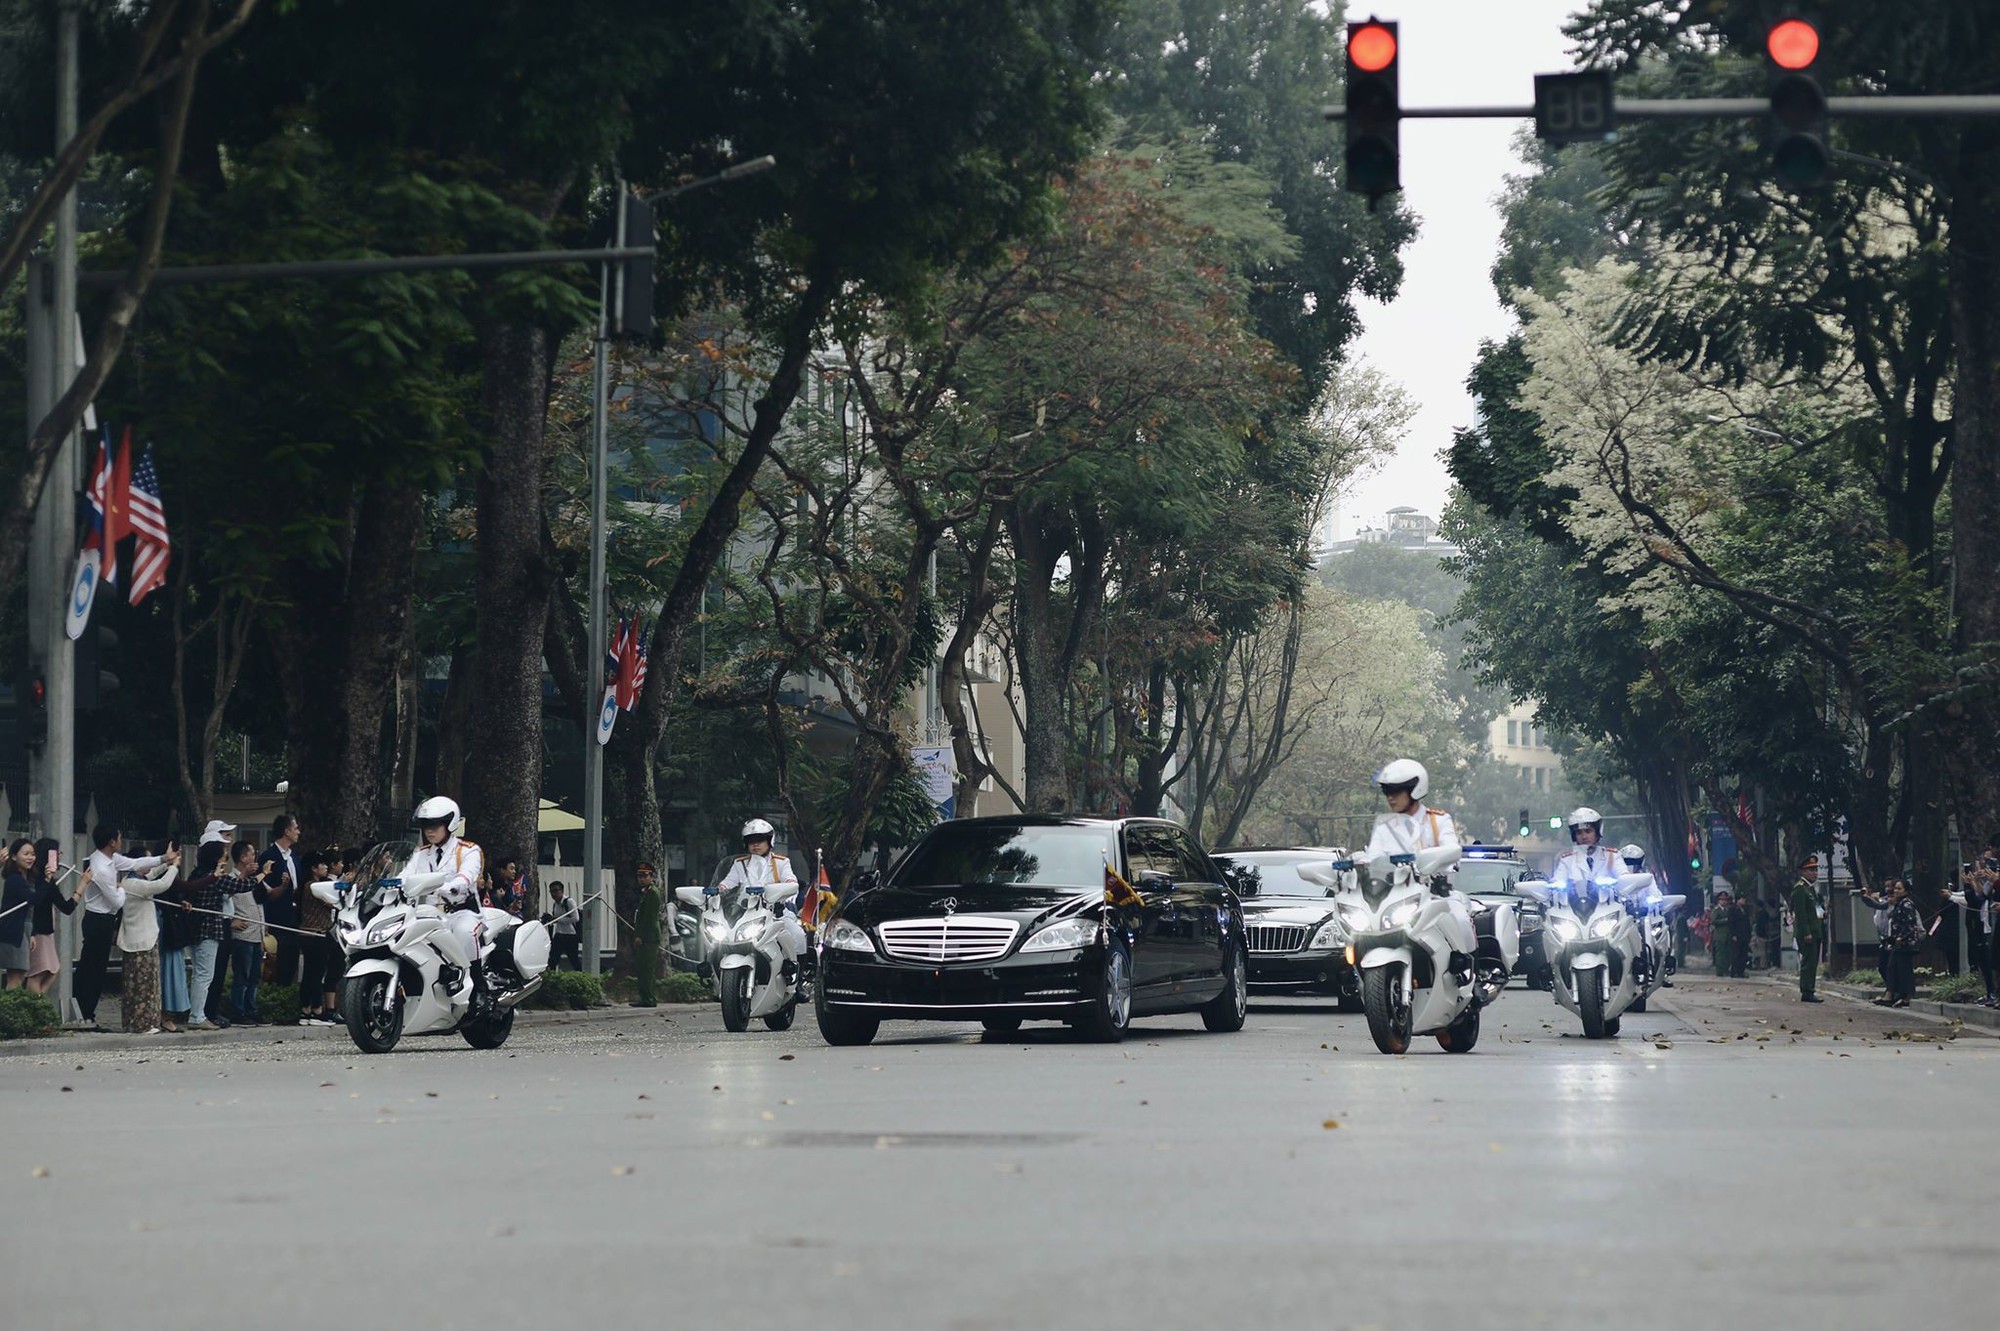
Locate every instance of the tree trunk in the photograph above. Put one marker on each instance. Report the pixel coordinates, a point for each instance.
(337, 663)
(1038, 646)
(403, 769)
(503, 782)
(1973, 721)
(454, 723)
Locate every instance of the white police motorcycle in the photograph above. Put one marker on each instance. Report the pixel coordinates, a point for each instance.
(1404, 935)
(750, 952)
(1594, 946)
(1654, 910)
(407, 973)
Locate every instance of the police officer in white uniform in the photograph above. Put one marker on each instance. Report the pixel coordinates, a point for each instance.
(1411, 826)
(1579, 871)
(762, 868)
(445, 851)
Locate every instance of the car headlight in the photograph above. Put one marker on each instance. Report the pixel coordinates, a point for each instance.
(1353, 916)
(845, 937)
(1062, 936)
(1399, 915)
(1331, 934)
(1565, 929)
(1605, 926)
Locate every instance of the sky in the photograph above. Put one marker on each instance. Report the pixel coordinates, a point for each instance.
(1454, 52)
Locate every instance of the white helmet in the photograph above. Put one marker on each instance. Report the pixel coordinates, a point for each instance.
(1633, 855)
(439, 809)
(1405, 772)
(1584, 816)
(757, 830)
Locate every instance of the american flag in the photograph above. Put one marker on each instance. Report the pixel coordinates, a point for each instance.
(149, 525)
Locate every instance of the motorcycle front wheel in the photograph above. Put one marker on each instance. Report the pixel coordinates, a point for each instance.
(1590, 1005)
(735, 989)
(1388, 1015)
(371, 1012)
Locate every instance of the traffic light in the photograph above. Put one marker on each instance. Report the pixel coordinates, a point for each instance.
(31, 704)
(1524, 823)
(1374, 109)
(631, 293)
(1798, 104)
(1555, 822)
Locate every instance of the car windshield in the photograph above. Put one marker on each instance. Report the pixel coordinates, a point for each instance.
(1007, 854)
(1275, 877)
(1488, 875)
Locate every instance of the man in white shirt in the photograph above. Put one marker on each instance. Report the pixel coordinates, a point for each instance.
(103, 899)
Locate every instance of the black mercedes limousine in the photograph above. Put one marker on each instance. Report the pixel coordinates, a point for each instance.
(1089, 921)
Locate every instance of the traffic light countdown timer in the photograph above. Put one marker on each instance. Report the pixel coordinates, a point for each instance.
(1374, 110)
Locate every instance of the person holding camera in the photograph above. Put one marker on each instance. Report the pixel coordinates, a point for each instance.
(1979, 885)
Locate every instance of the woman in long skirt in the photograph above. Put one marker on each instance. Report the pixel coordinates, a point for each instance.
(139, 940)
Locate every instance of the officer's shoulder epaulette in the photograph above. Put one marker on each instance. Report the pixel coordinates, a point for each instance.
(469, 845)
(743, 859)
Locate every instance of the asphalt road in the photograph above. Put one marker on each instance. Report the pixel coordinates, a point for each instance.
(1742, 1160)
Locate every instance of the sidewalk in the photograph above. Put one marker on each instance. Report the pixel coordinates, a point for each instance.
(82, 1041)
(1768, 1008)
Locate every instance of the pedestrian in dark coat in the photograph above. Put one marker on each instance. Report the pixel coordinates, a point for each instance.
(1806, 927)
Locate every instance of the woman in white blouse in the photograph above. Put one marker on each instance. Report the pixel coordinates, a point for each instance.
(139, 941)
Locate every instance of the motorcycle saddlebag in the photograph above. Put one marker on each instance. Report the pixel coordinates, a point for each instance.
(523, 950)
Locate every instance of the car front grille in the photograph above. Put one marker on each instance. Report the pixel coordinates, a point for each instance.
(1276, 937)
(953, 938)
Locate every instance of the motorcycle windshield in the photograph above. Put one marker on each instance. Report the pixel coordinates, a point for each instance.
(383, 860)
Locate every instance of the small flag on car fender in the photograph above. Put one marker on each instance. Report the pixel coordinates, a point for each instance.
(1118, 892)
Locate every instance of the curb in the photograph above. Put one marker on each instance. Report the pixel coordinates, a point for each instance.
(1964, 1014)
(77, 1041)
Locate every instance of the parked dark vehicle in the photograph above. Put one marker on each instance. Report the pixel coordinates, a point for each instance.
(1297, 939)
(1004, 920)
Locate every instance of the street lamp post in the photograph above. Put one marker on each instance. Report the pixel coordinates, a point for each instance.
(600, 467)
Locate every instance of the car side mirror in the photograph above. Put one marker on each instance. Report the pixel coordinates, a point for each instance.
(1155, 881)
(866, 881)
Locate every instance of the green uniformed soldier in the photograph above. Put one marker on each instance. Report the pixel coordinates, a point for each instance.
(1722, 932)
(1806, 927)
(646, 957)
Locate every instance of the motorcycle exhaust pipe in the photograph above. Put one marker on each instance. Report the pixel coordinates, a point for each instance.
(511, 998)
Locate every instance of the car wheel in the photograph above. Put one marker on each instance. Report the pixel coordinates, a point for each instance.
(838, 1027)
(1110, 1013)
(1000, 1025)
(1225, 1012)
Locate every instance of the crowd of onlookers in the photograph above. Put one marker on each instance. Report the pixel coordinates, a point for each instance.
(1743, 931)
(197, 941)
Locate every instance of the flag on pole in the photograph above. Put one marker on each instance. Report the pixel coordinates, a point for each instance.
(607, 707)
(817, 891)
(153, 547)
(1118, 892)
(111, 501)
(632, 654)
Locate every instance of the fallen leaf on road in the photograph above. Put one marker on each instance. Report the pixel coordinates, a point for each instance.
(786, 1058)
(620, 1171)
(768, 1116)
(39, 1171)
(1329, 1123)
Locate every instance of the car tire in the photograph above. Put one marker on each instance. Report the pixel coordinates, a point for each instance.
(1000, 1025)
(1109, 1015)
(1227, 1010)
(840, 1028)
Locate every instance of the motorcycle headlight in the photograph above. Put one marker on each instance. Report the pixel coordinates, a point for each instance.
(715, 930)
(1565, 929)
(1062, 936)
(1353, 916)
(1331, 934)
(1604, 926)
(1399, 915)
(384, 930)
(845, 937)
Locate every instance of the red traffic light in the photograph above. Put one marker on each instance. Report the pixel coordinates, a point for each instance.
(1793, 44)
(1371, 47)
(39, 690)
